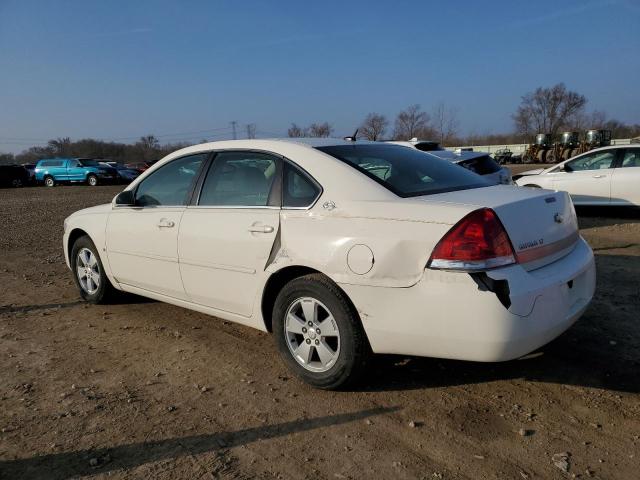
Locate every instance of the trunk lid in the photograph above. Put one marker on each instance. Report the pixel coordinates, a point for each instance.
(541, 224)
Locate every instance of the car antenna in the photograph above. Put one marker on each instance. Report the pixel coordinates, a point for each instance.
(352, 138)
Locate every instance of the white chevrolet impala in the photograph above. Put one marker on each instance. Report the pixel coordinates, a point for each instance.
(341, 249)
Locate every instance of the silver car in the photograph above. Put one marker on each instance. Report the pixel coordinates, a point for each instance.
(478, 162)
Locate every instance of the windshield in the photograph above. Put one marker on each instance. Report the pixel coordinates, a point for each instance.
(405, 171)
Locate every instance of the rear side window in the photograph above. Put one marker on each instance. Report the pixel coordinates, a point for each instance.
(405, 171)
(481, 165)
(171, 184)
(51, 163)
(299, 190)
(239, 179)
(631, 158)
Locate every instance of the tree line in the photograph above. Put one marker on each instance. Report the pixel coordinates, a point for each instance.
(545, 110)
(147, 148)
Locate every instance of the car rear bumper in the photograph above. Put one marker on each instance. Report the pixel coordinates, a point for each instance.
(452, 315)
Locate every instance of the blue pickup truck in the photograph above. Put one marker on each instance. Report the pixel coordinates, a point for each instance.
(51, 171)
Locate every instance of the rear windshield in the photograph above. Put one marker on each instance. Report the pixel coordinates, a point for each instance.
(481, 165)
(405, 171)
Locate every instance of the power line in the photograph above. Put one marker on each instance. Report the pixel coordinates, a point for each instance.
(233, 126)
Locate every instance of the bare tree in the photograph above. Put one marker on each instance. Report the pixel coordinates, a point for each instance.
(295, 131)
(320, 129)
(149, 142)
(445, 123)
(60, 147)
(410, 123)
(547, 110)
(374, 126)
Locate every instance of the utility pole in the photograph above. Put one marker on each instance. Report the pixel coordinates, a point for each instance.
(251, 130)
(233, 127)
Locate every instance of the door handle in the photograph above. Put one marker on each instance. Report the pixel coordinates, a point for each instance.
(599, 176)
(261, 229)
(166, 223)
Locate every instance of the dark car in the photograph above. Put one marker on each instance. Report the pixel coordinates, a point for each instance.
(126, 175)
(139, 166)
(13, 176)
(31, 169)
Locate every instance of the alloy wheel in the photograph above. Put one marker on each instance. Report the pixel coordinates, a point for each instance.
(312, 334)
(88, 271)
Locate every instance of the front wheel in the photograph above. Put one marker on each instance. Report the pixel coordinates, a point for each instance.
(92, 180)
(88, 272)
(49, 182)
(318, 332)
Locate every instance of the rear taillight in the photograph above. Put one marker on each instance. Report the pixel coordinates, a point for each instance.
(477, 242)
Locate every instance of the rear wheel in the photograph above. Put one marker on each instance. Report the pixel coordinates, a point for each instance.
(92, 180)
(16, 182)
(88, 272)
(49, 181)
(318, 332)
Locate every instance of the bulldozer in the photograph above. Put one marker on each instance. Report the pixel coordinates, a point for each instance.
(565, 148)
(537, 151)
(594, 139)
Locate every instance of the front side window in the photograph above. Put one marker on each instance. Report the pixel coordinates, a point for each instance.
(299, 190)
(238, 179)
(405, 171)
(171, 184)
(592, 161)
(631, 158)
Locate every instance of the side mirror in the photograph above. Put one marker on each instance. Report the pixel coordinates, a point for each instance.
(125, 198)
(566, 168)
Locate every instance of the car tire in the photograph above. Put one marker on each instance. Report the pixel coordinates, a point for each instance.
(343, 345)
(49, 181)
(92, 180)
(95, 286)
(16, 183)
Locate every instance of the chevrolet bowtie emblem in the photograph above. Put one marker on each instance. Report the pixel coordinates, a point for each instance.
(558, 218)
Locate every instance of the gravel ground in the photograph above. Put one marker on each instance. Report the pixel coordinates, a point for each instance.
(147, 390)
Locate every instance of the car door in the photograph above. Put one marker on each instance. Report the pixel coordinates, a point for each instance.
(142, 239)
(625, 183)
(58, 170)
(75, 171)
(226, 237)
(587, 178)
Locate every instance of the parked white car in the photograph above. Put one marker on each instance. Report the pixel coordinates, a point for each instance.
(604, 176)
(477, 162)
(341, 249)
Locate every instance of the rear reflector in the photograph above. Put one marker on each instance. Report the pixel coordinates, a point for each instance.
(477, 242)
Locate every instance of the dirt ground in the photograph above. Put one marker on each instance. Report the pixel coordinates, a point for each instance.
(147, 390)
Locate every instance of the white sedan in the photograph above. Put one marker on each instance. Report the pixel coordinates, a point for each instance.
(341, 249)
(604, 176)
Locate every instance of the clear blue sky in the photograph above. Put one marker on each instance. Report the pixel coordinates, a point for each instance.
(121, 69)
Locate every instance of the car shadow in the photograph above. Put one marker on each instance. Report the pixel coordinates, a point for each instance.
(601, 350)
(32, 308)
(65, 465)
(606, 216)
